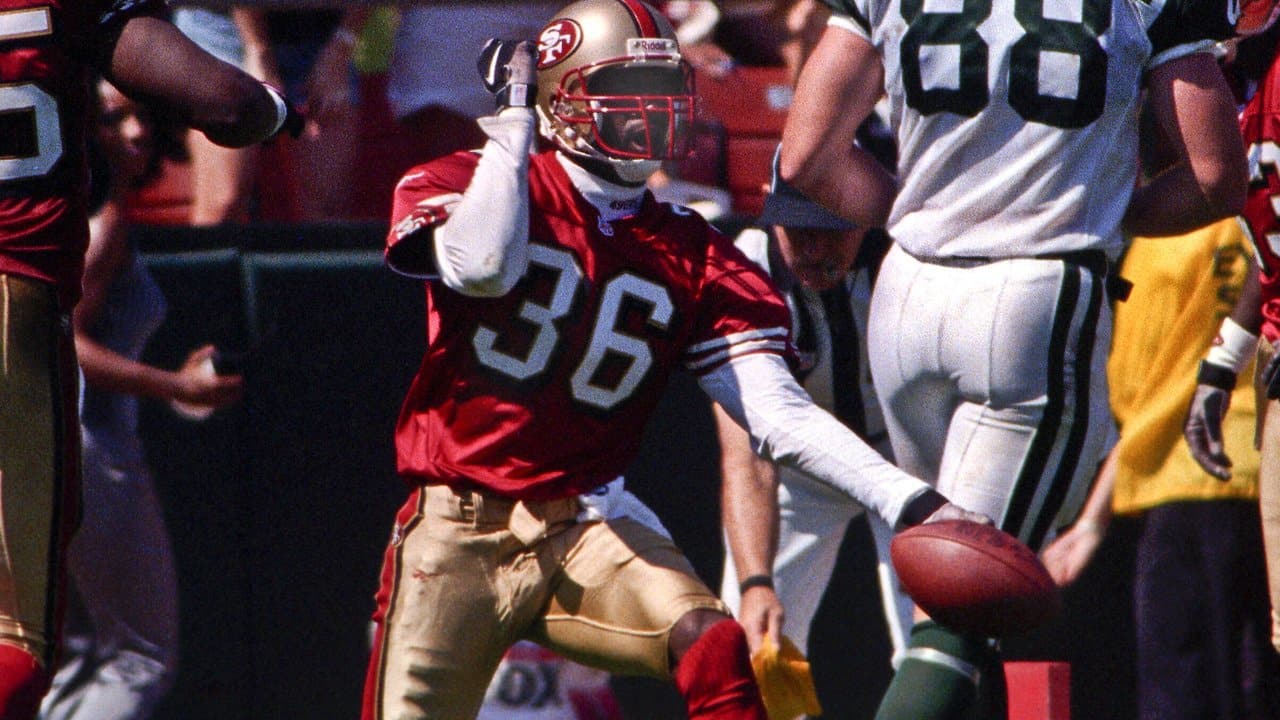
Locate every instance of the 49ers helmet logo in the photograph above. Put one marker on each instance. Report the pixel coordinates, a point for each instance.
(558, 41)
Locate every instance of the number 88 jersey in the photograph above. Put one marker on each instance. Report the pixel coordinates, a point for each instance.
(1016, 119)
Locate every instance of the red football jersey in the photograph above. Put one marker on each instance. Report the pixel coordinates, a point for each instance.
(47, 52)
(1260, 126)
(545, 392)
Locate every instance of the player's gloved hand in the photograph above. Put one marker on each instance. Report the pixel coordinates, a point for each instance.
(1271, 377)
(1203, 426)
(932, 506)
(509, 69)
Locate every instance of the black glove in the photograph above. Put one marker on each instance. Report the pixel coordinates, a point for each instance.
(1203, 427)
(509, 69)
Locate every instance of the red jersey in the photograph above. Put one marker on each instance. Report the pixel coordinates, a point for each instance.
(1260, 126)
(48, 50)
(545, 391)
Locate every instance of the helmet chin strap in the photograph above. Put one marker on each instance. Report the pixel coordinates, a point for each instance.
(635, 171)
(583, 154)
(631, 173)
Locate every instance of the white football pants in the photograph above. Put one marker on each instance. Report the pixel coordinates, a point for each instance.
(992, 378)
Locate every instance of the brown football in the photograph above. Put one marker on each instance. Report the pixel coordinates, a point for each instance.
(974, 578)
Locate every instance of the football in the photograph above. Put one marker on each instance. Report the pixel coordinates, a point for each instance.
(974, 578)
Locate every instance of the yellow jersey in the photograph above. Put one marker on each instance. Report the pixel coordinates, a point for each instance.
(1183, 287)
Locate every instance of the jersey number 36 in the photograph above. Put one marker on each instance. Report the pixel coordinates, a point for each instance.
(606, 342)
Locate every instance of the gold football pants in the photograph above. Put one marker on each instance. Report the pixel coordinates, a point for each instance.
(1269, 483)
(467, 574)
(39, 462)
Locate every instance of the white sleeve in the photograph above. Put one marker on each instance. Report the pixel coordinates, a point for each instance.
(482, 250)
(849, 24)
(787, 427)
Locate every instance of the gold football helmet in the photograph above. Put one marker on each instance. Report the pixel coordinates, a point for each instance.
(612, 85)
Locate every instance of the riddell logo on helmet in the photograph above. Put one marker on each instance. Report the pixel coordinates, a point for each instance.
(558, 41)
(651, 46)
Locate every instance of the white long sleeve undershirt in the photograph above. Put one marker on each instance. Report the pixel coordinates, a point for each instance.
(760, 394)
(482, 250)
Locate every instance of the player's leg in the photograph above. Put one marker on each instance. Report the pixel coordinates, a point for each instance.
(39, 462)
(1025, 341)
(1170, 614)
(1269, 487)
(629, 602)
(442, 622)
(122, 563)
(939, 672)
(1024, 445)
(908, 313)
(1228, 545)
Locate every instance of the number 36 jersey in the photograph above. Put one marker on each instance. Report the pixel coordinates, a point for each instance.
(1016, 120)
(544, 392)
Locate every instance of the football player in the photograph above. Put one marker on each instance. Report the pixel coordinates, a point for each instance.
(1255, 320)
(1017, 134)
(1260, 123)
(560, 297)
(49, 50)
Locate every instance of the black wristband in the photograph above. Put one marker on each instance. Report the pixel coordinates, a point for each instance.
(755, 581)
(1216, 375)
(517, 95)
(921, 507)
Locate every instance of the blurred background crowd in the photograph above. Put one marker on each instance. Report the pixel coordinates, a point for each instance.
(386, 87)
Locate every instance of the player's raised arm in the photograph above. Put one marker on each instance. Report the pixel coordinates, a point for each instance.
(152, 61)
(482, 249)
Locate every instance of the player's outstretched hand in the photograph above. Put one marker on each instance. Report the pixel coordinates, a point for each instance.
(932, 506)
(509, 70)
(1203, 429)
(951, 511)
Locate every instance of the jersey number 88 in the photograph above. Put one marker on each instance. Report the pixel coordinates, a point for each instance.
(1041, 35)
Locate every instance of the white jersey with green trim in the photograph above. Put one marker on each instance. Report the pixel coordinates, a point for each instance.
(1016, 120)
